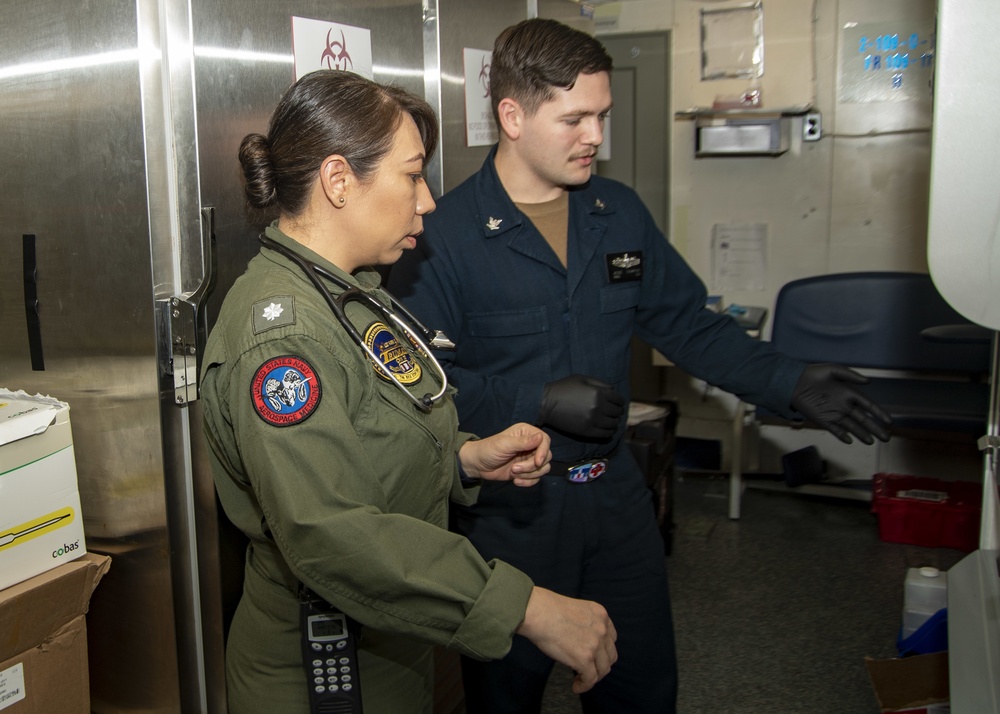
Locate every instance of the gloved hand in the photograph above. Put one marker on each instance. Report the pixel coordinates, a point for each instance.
(823, 395)
(582, 406)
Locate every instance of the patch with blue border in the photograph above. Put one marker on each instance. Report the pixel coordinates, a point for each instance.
(393, 354)
(285, 390)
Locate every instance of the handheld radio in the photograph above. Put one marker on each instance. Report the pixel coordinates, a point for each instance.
(329, 655)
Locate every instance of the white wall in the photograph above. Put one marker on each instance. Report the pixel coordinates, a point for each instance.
(855, 200)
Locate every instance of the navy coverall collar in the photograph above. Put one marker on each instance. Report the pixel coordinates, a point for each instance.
(501, 217)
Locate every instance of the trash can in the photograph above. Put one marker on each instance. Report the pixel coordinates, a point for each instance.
(651, 435)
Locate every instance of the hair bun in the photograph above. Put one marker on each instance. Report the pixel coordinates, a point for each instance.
(258, 171)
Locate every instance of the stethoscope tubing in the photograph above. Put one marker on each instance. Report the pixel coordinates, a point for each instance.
(354, 294)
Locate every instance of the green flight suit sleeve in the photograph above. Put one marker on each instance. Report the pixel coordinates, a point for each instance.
(352, 497)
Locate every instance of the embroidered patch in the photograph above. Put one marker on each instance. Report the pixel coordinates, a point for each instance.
(624, 267)
(273, 312)
(393, 354)
(285, 390)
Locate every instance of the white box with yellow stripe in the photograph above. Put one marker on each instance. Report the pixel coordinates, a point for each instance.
(40, 522)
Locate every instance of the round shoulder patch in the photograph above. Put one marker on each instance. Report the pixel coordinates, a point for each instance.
(285, 390)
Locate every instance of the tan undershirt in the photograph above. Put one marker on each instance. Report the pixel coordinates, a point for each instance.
(551, 218)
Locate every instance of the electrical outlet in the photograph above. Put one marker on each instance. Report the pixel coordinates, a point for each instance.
(812, 126)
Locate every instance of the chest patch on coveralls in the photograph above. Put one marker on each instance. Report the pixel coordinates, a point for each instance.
(624, 267)
(393, 354)
(285, 390)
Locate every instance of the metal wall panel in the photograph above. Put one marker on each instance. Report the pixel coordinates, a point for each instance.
(73, 157)
(121, 122)
(474, 24)
(240, 76)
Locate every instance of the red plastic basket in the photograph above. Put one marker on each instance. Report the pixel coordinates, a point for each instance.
(927, 511)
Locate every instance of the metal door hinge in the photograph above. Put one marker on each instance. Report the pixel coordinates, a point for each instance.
(182, 324)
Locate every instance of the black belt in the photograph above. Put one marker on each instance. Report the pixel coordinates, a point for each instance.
(579, 471)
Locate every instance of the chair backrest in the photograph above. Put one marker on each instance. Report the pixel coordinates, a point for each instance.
(873, 320)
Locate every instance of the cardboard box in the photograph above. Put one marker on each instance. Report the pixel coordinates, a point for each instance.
(43, 639)
(915, 685)
(40, 522)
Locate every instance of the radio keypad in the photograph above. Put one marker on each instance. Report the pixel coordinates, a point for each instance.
(332, 674)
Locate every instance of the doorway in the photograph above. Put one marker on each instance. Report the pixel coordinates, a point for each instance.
(639, 152)
(639, 148)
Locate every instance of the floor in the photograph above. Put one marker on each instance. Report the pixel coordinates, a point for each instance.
(777, 611)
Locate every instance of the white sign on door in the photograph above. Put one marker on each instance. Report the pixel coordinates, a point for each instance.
(317, 44)
(480, 129)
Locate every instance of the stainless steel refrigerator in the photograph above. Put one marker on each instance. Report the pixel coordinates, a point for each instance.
(120, 209)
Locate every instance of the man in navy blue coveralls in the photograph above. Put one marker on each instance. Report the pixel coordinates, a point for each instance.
(542, 273)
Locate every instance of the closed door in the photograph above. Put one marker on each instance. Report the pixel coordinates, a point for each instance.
(638, 146)
(639, 121)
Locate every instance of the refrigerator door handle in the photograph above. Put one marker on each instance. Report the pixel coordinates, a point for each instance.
(182, 324)
(32, 311)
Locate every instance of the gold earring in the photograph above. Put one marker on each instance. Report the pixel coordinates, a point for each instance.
(341, 199)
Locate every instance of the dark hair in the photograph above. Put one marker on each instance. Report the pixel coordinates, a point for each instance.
(325, 112)
(534, 57)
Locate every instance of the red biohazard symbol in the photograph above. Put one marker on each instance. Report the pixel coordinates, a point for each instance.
(336, 56)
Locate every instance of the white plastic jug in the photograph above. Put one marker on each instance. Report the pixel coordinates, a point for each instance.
(924, 593)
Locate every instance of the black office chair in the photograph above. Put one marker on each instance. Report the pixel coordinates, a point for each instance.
(928, 365)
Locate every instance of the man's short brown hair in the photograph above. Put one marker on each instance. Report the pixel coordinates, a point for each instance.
(535, 57)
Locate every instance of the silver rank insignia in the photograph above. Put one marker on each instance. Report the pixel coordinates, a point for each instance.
(493, 224)
(275, 311)
(598, 203)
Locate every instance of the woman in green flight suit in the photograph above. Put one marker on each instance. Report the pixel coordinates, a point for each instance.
(339, 481)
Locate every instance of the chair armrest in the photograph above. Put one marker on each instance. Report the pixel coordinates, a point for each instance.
(958, 334)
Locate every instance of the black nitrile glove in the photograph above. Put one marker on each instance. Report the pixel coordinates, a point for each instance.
(582, 406)
(825, 396)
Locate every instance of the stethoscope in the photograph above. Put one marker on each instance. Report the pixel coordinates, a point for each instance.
(437, 339)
